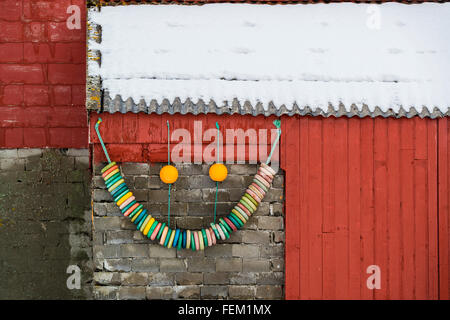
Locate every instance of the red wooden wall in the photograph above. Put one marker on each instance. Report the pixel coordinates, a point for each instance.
(363, 192)
(42, 75)
(143, 138)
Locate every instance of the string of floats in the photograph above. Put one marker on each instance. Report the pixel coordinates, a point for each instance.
(181, 238)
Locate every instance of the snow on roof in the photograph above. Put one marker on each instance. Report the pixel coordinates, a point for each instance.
(389, 59)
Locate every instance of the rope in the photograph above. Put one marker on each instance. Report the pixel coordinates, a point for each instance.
(277, 124)
(101, 140)
(168, 162)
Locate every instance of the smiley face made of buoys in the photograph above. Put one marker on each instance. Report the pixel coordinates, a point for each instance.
(168, 174)
(218, 172)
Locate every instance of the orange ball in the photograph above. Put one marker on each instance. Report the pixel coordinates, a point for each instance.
(168, 174)
(218, 172)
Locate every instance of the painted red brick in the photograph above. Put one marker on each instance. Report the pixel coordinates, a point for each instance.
(35, 117)
(11, 95)
(58, 32)
(11, 52)
(69, 117)
(78, 95)
(34, 137)
(11, 117)
(62, 95)
(11, 31)
(14, 138)
(36, 95)
(52, 10)
(35, 32)
(67, 73)
(68, 137)
(10, 10)
(21, 73)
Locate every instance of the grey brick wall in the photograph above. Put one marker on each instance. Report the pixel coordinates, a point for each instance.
(45, 223)
(249, 265)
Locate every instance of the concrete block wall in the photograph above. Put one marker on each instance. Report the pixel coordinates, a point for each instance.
(249, 265)
(45, 223)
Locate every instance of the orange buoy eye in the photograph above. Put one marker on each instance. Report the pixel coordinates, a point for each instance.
(168, 174)
(218, 172)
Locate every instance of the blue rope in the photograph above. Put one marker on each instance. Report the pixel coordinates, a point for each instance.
(101, 140)
(277, 124)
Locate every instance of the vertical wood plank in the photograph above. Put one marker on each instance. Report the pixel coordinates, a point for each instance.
(367, 203)
(354, 200)
(381, 229)
(407, 207)
(291, 142)
(341, 207)
(421, 208)
(394, 213)
(304, 214)
(444, 193)
(328, 226)
(432, 171)
(315, 206)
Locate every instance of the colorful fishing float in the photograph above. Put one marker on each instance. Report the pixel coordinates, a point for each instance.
(181, 238)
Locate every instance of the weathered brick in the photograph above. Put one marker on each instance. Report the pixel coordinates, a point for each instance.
(253, 265)
(188, 195)
(158, 293)
(272, 251)
(141, 182)
(144, 265)
(110, 251)
(123, 265)
(241, 292)
(270, 223)
(107, 278)
(26, 153)
(245, 250)
(219, 250)
(209, 195)
(188, 278)
(277, 264)
(135, 168)
(161, 279)
(134, 250)
(229, 264)
(243, 169)
(172, 265)
(8, 154)
(214, 292)
(99, 209)
(134, 279)
(243, 278)
(132, 293)
(278, 236)
(158, 251)
(201, 265)
(274, 195)
(106, 223)
(187, 292)
(101, 195)
(158, 196)
(216, 278)
(259, 237)
(105, 293)
(270, 278)
(119, 237)
(269, 292)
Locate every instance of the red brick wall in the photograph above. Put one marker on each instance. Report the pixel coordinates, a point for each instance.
(42, 75)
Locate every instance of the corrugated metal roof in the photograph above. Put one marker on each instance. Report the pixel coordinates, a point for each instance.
(117, 104)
